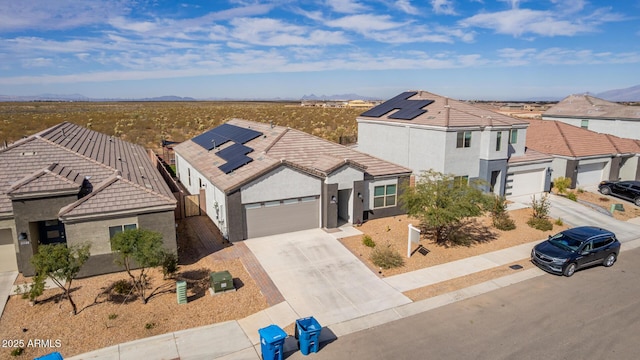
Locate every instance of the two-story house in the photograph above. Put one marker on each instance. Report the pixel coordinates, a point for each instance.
(423, 131)
(597, 115)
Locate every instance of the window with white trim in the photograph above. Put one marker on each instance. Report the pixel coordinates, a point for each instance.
(498, 140)
(384, 196)
(584, 124)
(513, 136)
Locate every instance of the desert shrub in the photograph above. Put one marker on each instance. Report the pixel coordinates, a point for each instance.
(112, 316)
(504, 223)
(368, 241)
(122, 287)
(540, 207)
(499, 214)
(561, 184)
(559, 222)
(572, 196)
(150, 325)
(17, 351)
(385, 257)
(169, 265)
(580, 190)
(540, 224)
(540, 216)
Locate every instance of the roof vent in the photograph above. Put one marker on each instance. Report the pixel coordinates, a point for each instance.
(28, 153)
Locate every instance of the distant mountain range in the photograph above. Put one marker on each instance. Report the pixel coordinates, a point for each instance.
(627, 94)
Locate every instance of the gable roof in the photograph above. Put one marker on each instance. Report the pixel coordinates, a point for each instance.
(62, 157)
(558, 138)
(424, 108)
(281, 146)
(590, 107)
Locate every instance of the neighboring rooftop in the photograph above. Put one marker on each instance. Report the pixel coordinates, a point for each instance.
(277, 145)
(68, 157)
(425, 108)
(587, 106)
(558, 138)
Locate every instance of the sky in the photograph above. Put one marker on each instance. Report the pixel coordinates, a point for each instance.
(245, 49)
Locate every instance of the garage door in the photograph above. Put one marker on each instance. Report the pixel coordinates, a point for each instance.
(278, 217)
(7, 252)
(525, 183)
(589, 174)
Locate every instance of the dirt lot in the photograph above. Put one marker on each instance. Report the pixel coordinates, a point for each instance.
(394, 234)
(107, 318)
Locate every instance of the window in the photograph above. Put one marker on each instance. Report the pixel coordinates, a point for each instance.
(113, 230)
(384, 196)
(498, 140)
(513, 136)
(189, 176)
(584, 124)
(463, 139)
(461, 180)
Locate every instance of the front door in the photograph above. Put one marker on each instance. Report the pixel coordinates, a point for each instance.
(52, 232)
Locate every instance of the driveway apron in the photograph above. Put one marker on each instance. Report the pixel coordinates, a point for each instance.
(319, 277)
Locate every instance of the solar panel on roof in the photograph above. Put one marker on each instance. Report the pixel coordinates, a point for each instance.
(235, 157)
(407, 109)
(234, 149)
(235, 163)
(223, 133)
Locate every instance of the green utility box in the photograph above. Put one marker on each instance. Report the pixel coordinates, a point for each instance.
(221, 281)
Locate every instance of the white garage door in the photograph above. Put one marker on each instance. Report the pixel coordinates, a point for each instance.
(525, 183)
(7, 252)
(278, 217)
(590, 174)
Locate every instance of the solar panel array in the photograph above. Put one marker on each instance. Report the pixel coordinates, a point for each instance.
(234, 155)
(407, 109)
(226, 132)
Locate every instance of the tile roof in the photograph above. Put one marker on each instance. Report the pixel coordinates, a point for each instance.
(446, 112)
(587, 106)
(281, 146)
(78, 153)
(530, 156)
(558, 138)
(52, 179)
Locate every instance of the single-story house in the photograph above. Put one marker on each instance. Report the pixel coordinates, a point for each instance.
(586, 157)
(258, 179)
(423, 131)
(71, 185)
(598, 115)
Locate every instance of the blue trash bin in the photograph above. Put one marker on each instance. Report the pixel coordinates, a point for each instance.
(272, 342)
(52, 356)
(308, 334)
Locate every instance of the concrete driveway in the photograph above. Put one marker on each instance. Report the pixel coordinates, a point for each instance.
(319, 277)
(576, 214)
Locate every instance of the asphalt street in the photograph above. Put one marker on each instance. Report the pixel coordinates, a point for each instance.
(592, 315)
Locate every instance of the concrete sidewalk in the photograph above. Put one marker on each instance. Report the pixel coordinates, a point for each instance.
(239, 340)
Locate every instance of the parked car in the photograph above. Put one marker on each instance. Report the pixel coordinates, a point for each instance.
(628, 190)
(576, 248)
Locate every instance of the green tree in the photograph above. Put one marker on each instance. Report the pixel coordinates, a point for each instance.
(499, 214)
(61, 264)
(441, 202)
(141, 249)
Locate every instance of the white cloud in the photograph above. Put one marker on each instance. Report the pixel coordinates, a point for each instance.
(406, 6)
(365, 23)
(522, 21)
(345, 6)
(58, 15)
(37, 62)
(443, 7)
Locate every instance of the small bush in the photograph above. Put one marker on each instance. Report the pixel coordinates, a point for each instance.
(504, 223)
(17, 351)
(169, 265)
(122, 287)
(540, 207)
(559, 222)
(561, 184)
(604, 199)
(385, 257)
(540, 224)
(150, 325)
(572, 196)
(113, 316)
(368, 241)
(580, 190)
